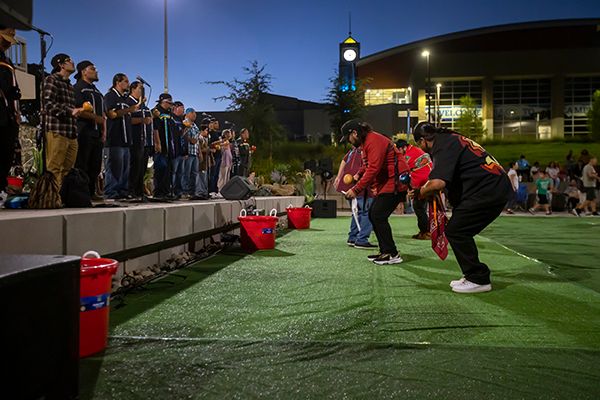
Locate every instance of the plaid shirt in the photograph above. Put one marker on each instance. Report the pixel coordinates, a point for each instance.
(59, 102)
(193, 133)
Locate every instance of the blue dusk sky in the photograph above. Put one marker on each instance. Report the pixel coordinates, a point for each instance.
(211, 40)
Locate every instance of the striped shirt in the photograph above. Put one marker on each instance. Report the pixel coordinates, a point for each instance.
(59, 103)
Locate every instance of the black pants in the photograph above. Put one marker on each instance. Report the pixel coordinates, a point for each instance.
(382, 207)
(138, 164)
(89, 158)
(8, 135)
(420, 207)
(460, 231)
(163, 180)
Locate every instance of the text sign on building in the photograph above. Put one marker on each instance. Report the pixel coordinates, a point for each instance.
(453, 112)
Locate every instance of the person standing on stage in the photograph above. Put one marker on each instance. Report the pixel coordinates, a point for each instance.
(61, 130)
(226, 159)
(118, 138)
(141, 131)
(91, 125)
(478, 189)
(204, 156)
(214, 140)
(420, 167)
(245, 153)
(193, 159)
(181, 151)
(164, 146)
(10, 117)
(382, 165)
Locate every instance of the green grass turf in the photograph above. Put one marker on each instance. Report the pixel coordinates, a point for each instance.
(313, 318)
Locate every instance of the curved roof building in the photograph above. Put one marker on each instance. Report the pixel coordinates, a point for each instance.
(534, 78)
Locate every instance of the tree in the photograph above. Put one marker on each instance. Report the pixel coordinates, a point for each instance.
(344, 102)
(469, 124)
(593, 116)
(30, 109)
(248, 98)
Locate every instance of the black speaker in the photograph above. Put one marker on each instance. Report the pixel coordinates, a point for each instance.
(238, 188)
(324, 209)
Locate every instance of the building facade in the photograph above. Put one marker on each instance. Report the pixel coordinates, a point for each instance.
(532, 79)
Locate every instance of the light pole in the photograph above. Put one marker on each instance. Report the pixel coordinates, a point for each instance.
(166, 53)
(426, 54)
(438, 116)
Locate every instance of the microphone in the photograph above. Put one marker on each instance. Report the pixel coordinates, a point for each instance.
(139, 78)
(40, 31)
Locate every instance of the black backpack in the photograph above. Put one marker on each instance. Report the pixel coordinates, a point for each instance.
(75, 191)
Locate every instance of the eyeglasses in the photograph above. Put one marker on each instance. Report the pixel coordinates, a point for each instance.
(67, 60)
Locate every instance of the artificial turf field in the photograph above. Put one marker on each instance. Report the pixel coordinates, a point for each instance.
(313, 319)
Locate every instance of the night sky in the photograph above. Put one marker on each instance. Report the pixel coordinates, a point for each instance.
(211, 40)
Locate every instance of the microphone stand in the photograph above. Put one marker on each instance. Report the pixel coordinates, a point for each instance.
(42, 138)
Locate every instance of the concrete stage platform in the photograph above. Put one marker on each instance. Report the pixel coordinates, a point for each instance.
(73, 231)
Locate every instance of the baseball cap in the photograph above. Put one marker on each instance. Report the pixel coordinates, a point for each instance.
(165, 97)
(347, 128)
(189, 110)
(57, 60)
(81, 66)
(178, 104)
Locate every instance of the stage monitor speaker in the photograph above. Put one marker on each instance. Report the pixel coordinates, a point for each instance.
(324, 209)
(238, 188)
(326, 164)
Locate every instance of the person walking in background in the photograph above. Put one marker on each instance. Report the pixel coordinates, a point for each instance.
(10, 117)
(350, 164)
(544, 186)
(478, 189)
(118, 138)
(61, 129)
(589, 177)
(91, 125)
(514, 181)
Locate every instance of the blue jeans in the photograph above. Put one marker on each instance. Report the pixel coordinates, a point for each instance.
(191, 174)
(178, 171)
(202, 184)
(117, 171)
(362, 236)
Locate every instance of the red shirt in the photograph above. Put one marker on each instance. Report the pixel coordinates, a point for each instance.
(419, 163)
(378, 169)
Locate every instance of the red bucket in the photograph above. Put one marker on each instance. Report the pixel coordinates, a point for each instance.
(257, 231)
(15, 181)
(298, 217)
(96, 281)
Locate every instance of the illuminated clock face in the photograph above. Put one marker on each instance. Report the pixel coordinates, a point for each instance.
(350, 55)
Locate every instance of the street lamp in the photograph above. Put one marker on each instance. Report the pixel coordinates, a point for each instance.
(166, 53)
(426, 54)
(438, 116)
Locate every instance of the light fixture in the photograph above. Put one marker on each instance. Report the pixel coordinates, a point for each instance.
(439, 85)
(425, 53)
(368, 90)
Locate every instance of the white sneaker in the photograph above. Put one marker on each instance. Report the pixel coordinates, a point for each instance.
(459, 282)
(470, 287)
(575, 213)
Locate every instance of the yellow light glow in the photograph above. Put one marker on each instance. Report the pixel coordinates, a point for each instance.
(425, 53)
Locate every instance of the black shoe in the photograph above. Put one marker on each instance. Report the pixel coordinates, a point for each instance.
(386, 259)
(350, 243)
(373, 257)
(595, 213)
(367, 246)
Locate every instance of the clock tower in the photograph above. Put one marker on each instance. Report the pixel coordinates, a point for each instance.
(349, 55)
